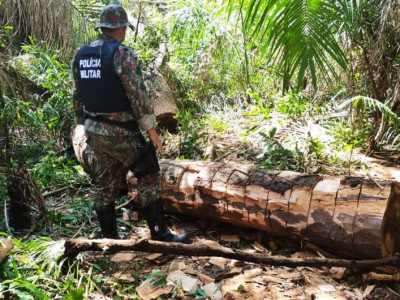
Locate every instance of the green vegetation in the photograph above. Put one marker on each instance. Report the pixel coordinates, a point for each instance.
(33, 271)
(283, 86)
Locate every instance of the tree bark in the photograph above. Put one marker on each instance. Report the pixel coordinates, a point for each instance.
(349, 216)
(162, 90)
(74, 246)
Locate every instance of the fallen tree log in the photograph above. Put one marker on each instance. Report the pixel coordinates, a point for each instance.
(74, 246)
(349, 216)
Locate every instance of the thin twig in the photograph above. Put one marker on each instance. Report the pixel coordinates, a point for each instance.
(123, 204)
(6, 218)
(80, 229)
(47, 194)
(376, 182)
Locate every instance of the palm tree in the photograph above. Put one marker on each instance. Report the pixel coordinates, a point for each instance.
(298, 36)
(313, 37)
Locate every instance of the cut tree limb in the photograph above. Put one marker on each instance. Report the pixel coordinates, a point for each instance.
(372, 276)
(6, 246)
(74, 246)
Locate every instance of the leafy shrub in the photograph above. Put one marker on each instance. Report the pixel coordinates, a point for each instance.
(54, 169)
(51, 112)
(276, 156)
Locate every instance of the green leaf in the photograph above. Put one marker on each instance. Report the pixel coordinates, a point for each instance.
(22, 295)
(297, 36)
(135, 276)
(240, 287)
(199, 293)
(39, 295)
(75, 295)
(348, 147)
(272, 132)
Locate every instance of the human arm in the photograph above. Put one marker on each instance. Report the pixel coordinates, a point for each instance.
(127, 66)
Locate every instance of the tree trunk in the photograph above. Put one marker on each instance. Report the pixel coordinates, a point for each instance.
(350, 216)
(20, 201)
(162, 90)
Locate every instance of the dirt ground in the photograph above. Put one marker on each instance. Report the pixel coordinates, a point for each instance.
(216, 278)
(220, 278)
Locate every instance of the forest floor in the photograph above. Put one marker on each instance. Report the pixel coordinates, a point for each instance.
(185, 277)
(220, 278)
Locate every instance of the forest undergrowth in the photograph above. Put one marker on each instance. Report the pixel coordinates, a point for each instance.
(237, 102)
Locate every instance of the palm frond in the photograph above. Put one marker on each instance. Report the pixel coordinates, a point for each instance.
(297, 35)
(372, 104)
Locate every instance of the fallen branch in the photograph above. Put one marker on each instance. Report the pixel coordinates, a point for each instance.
(73, 246)
(372, 276)
(59, 190)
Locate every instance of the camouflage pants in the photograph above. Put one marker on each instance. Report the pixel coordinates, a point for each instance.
(109, 159)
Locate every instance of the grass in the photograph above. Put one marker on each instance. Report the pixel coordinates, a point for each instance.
(34, 270)
(303, 138)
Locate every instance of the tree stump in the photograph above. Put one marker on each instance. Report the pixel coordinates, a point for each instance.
(23, 192)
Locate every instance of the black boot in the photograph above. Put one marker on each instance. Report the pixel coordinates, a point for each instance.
(154, 214)
(107, 220)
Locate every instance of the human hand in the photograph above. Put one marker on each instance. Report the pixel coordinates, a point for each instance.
(155, 139)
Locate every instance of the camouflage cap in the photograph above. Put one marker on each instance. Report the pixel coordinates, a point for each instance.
(113, 16)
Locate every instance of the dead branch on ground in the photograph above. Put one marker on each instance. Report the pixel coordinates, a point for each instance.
(74, 246)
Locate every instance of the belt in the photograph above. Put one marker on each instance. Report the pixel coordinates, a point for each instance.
(130, 125)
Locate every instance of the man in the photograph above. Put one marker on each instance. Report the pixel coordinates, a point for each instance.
(110, 99)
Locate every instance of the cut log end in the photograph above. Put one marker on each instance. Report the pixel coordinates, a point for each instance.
(6, 246)
(390, 230)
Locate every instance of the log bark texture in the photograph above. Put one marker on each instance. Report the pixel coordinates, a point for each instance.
(162, 89)
(348, 216)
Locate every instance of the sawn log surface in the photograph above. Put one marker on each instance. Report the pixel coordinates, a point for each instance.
(347, 216)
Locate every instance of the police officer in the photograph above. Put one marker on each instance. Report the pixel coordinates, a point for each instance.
(110, 100)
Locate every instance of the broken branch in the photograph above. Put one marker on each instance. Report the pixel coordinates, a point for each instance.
(73, 246)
